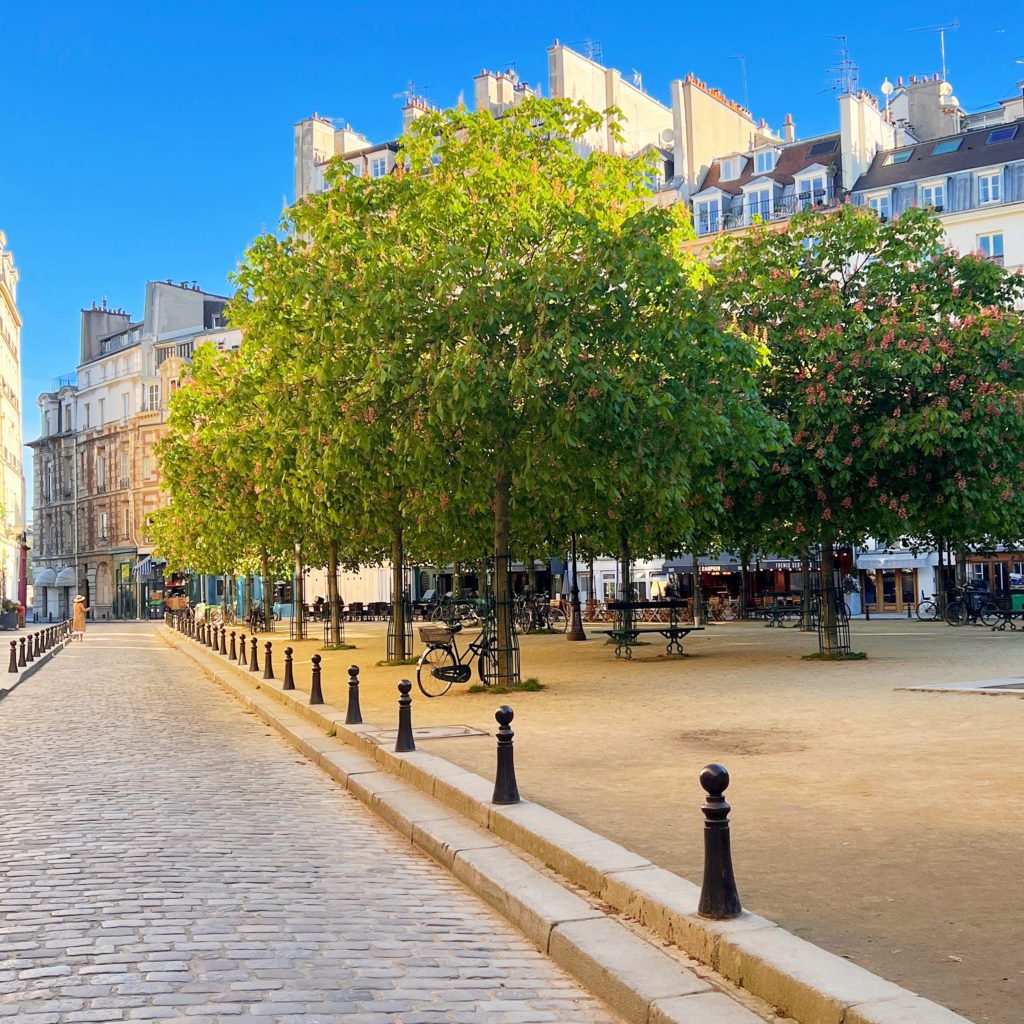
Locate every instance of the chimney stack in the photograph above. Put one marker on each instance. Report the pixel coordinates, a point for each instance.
(789, 129)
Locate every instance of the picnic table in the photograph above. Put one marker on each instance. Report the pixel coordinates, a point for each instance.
(626, 632)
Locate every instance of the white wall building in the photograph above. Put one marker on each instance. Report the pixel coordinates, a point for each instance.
(12, 478)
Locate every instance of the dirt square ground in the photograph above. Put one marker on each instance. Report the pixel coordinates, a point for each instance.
(884, 825)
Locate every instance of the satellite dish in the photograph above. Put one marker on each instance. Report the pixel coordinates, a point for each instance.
(945, 89)
(667, 137)
(887, 88)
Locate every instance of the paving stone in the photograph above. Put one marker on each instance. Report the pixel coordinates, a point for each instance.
(189, 867)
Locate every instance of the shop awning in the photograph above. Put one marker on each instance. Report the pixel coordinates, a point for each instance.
(44, 578)
(872, 560)
(67, 577)
(144, 567)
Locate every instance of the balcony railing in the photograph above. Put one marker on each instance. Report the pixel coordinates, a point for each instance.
(183, 350)
(745, 214)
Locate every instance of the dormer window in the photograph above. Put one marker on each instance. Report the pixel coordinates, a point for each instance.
(729, 168)
(764, 161)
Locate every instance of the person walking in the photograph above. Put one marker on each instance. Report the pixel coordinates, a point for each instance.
(78, 619)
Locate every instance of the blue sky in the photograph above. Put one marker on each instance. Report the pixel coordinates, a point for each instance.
(144, 141)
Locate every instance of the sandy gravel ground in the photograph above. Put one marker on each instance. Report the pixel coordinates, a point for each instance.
(884, 825)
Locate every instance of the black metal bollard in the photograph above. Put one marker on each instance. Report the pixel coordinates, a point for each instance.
(233, 653)
(214, 641)
(13, 666)
(505, 789)
(254, 659)
(223, 642)
(719, 899)
(243, 654)
(30, 654)
(268, 665)
(21, 652)
(289, 679)
(354, 714)
(39, 644)
(315, 694)
(404, 742)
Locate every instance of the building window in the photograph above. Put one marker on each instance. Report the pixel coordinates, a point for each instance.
(147, 467)
(947, 146)
(759, 203)
(104, 526)
(86, 414)
(933, 195)
(991, 246)
(765, 161)
(880, 204)
(729, 168)
(378, 167)
(989, 187)
(102, 417)
(811, 191)
(127, 524)
(708, 214)
(124, 469)
(153, 397)
(124, 407)
(902, 157)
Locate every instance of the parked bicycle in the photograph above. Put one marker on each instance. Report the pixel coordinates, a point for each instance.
(927, 609)
(974, 606)
(536, 611)
(462, 611)
(256, 620)
(442, 663)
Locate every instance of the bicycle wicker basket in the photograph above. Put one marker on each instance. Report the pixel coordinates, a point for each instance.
(436, 634)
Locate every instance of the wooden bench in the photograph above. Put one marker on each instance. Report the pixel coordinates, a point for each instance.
(625, 639)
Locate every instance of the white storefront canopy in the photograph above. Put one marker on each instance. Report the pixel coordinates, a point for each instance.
(67, 577)
(872, 560)
(44, 578)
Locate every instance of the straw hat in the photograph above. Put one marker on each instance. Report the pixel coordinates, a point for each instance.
(78, 597)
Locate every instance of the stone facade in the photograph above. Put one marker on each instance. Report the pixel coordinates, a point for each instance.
(97, 476)
(12, 480)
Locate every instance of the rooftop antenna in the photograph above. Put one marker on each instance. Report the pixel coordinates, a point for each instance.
(411, 92)
(743, 67)
(942, 30)
(592, 50)
(845, 72)
(638, 79)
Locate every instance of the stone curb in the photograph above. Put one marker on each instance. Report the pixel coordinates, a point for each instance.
(30, 670)
(801, 979)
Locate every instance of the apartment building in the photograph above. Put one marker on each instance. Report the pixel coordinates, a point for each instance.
(13, 545)
(96, 473)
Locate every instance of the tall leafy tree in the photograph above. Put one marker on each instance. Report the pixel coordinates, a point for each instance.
(898, 367)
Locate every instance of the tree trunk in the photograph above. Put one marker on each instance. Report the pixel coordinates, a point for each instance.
(698, 593)
(828, 628)
(268, 596)
(625, 617)
(298, 597)
(744, 584)
(397, 593)
(505, 666)
(531, 574)
(332, 589)
(805, 592)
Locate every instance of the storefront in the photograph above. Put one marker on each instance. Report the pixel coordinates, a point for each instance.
(894, 581)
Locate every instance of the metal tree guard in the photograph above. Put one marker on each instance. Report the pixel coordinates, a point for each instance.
(838, 632)
(392, 649)
(510, 648)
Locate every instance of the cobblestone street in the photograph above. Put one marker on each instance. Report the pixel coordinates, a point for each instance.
(164, 856)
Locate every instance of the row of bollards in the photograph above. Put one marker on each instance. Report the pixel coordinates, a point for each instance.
(719, 899)
(26, 649)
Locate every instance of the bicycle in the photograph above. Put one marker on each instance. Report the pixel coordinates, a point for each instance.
(534, 611)
(972, 606)
(442, 663)
(927, 610)
(452, 611)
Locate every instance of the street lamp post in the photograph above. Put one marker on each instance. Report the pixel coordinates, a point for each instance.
(576, 626)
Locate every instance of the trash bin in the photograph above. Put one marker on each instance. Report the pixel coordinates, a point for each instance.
(1017, 601)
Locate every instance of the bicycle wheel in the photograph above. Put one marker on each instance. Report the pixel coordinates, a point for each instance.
(483, 662)
(956, 613)
(557, 619)
(927, 612)
(523, 618)
(431, 659)
(990, 614)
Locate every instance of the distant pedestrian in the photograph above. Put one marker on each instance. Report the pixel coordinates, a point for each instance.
(78, 619)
